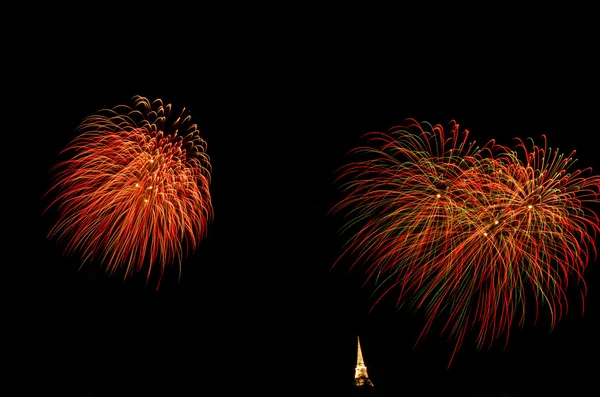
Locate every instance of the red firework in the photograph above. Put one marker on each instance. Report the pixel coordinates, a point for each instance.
(469, 233)
(134, 191)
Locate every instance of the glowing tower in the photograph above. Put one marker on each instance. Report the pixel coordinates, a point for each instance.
(360, 373)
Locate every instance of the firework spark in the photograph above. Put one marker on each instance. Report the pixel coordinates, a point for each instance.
(134, 191)
(466, 232)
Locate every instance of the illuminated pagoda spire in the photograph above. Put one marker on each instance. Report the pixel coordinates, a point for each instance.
(361, 378)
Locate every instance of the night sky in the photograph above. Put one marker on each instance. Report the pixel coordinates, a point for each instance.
(258, 306)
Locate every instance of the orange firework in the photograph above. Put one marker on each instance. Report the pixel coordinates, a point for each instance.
(471, 234)
(134, 191)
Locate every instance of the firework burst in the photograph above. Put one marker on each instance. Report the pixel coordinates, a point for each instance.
(134, 190)
(473, 234)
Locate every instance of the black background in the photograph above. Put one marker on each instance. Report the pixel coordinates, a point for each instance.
(280, 100)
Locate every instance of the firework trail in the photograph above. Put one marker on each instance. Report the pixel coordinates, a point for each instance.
(471, 234)
(134, 191)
